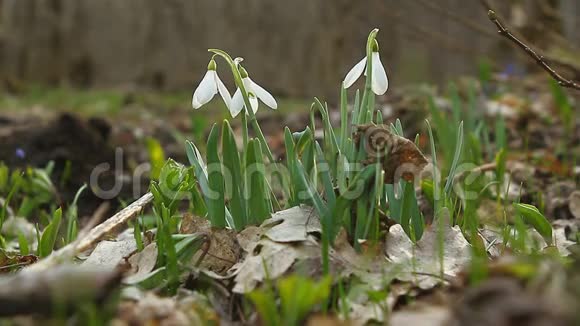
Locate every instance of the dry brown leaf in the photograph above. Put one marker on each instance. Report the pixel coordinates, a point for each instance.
(399, 156)
(421, 260)
(142, 263)
(267, 258)
(224, 250)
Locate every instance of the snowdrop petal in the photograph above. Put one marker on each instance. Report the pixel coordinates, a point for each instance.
(354, 73)
(205, 91)
(195, 103)
(263, 95)
(254, 102)
(237, 103)
(222, 89)
(379, 82)
(247, 84)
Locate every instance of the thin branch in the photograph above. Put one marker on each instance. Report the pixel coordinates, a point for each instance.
(91, 237)
(540, 60)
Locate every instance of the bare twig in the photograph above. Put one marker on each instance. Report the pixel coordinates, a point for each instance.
(64, 287)
(540, 60)
(69, 251)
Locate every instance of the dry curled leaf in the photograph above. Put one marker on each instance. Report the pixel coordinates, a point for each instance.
(223, 249)
(274, 248)
(269, 259)
(142, 263)
(399, 156)
(9, 262)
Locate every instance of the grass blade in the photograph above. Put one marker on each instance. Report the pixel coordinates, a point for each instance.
(216, 200)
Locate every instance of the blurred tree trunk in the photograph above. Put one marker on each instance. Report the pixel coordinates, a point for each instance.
(570, 11)
(295, 48)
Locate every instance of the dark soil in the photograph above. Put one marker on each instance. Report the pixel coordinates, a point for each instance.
(67, 138)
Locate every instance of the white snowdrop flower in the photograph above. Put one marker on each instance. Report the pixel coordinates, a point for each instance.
(255, 92)
(209, 86)
(379, 80)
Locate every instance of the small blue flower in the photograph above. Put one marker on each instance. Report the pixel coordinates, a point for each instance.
(20, 153)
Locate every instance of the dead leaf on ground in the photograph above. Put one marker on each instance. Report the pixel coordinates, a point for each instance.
(423, 257)
(142, 263)
(109, 254)
(363, 310)
(190, 308)
(399, 156)
(557, 198)
(421, 316)
(293, 224)
(249, 236)
(503, 301)
(224, 250)
(267, 258)
(9, 262)
(574, 204)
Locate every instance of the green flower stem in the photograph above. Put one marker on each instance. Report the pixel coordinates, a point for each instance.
(253, 121)
(245, 130)
(363, 117)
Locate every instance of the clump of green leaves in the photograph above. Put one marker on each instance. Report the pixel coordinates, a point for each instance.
(176, 184)
(328, 174)
(233, 184)
(298, 296)
(49, 235)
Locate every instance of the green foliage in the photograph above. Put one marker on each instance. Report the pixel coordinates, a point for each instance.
(30, 191)
(532, 216)
(456, 157)
(232, 163)
(138, 234)
(234, 186)
(485, 69)
(216, 198)
(298, 296)
(49, 235)
(258, 199)
(72, 217)
(175, 184)
(565, 108)
(236, 191)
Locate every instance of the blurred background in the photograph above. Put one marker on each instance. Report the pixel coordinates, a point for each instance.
(80, 79)
(299, 48)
